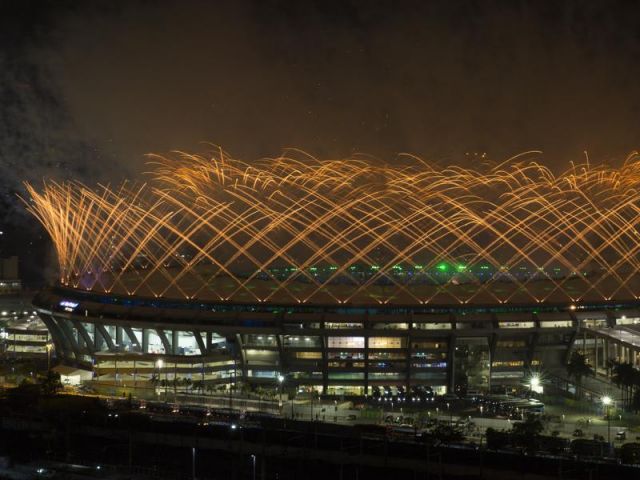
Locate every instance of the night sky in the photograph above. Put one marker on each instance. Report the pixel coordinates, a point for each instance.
(87, 88)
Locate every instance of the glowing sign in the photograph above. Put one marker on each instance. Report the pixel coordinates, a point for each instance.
(68, 305)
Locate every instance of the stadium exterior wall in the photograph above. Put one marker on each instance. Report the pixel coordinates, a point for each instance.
(332, 349)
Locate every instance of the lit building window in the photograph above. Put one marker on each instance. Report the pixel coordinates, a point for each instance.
(556, 324)
(432, 326)
(345, 342)
(516, 324)
(386, 342)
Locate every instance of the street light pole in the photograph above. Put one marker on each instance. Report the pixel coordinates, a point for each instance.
(606, 401)
(159, 365)
(232, 384)
(280, 381)
(253, 461)
(193, 463)
(49, 347)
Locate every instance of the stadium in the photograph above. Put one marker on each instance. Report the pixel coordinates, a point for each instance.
(341, 276)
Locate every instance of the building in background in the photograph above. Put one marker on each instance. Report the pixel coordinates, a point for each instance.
(10, 283)
(23, 335)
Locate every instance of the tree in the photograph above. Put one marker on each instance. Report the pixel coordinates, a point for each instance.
(446, 433)
(627, 378)
(51, 383)
(527, 434)
(198, 386)
(635, 401)
(497, 439)
(578, 368)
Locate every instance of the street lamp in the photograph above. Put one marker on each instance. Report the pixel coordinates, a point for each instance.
(253, 461)
(534, 384)
(49, 347)
(606, 401)
(159, 364)
(280, 381)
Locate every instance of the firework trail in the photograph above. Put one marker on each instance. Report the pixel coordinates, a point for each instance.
(300, 230)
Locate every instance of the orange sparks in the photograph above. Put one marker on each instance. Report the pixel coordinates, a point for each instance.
(301, 230)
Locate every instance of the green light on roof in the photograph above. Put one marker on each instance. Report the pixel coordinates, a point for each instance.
(375, 267)
(418, 267)
(313, 269)
(333, 267)
(443, 267)
(461, 268)
(397, 267)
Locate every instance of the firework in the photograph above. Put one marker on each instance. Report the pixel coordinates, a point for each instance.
(300, 230)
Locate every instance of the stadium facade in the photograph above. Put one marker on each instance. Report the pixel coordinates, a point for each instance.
(342, 275)
(335, 350)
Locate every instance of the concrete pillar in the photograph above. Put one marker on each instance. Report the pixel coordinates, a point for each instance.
(451, 364)
(174, 342)
(119, 336)
(145, 340)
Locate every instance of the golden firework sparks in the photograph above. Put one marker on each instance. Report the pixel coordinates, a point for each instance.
(298, 229)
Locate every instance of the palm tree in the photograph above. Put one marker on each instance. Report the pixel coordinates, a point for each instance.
(627, 378)
(154, 380)
(187, 382)
(578, 368)
(198, 386)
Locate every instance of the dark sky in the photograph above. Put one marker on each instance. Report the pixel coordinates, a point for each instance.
(87, 88)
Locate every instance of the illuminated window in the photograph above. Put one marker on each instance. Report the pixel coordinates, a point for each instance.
(297, 341)
(309, 355)
(387, 342)
(510, 364)
(346, 376)
(391, 326)
(386, 356)
(432, 326)
(346, 355)
(594, 322)
(345, 342)
(516, 324)
(339, 326)
(556, 324)
(624, 320)
(429, 345)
